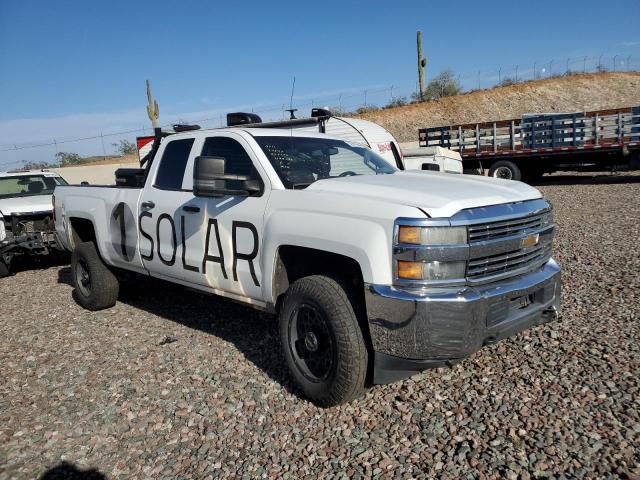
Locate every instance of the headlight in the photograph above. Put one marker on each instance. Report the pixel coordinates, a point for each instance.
(546, 219)
(432, 235)
(431, 271)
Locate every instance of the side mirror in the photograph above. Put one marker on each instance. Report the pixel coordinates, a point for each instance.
(210, 180)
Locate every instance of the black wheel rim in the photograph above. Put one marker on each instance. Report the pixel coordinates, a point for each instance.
(311, 343)
(83, 278)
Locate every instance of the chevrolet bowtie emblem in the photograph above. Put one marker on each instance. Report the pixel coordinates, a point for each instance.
(530, 241)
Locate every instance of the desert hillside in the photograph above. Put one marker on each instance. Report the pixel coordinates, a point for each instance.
(563, 94)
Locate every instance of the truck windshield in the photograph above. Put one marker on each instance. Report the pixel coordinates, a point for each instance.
(300, 161)
(28, 185)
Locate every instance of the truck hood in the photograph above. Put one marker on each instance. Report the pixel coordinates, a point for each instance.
(437, 194)
(35, 203)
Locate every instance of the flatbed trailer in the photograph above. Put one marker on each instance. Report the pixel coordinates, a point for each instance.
(530, 146)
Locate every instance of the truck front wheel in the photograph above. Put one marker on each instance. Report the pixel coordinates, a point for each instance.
(506, 170)
(96, 287)
(322, 341)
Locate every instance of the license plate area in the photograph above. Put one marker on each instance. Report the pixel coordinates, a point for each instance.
(514, 306)
(522, 302)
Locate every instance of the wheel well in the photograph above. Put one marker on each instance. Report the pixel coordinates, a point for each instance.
(293, 263)
(82, 231)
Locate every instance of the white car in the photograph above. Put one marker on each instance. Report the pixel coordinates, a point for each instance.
(375, 273)
(26, 215)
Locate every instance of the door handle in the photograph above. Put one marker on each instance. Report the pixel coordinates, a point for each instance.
(191, 208)
(148, 205)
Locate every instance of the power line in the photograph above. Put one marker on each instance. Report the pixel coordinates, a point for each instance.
(366, 94)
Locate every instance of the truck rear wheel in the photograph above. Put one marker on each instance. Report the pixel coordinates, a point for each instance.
(506, 170)
(96, 287)
(322, 341)
(4, 269)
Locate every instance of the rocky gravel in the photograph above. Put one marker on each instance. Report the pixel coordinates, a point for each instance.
(175, 384)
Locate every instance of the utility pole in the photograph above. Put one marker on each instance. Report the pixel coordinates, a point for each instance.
(153, 111)
(104, 152)
(422, 63)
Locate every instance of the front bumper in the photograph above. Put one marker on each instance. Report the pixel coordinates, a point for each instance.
(35, 243)
(412, 331)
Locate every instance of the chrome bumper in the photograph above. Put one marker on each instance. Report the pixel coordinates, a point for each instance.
(411, 331)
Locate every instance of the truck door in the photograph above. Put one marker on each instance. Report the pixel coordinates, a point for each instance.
(160, 210)
(223, 235)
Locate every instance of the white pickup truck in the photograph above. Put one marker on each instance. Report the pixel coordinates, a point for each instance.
(375, 274)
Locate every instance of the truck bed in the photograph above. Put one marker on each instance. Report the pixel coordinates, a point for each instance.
(541, 135)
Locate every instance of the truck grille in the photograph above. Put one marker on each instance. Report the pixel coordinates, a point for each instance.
(501, 247)
(508, 263)
(495, 230)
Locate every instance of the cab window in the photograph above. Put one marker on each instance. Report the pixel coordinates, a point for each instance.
(237, 160)
(173, 163)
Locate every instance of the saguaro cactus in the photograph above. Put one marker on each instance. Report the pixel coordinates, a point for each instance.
(152, 108)
(422, 63)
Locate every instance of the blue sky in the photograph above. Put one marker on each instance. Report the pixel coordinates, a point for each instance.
(77, 69)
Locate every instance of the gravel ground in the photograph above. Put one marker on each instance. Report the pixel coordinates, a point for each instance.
(108, 391)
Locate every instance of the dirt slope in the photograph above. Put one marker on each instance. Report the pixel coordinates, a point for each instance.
(564, 94)
(109, 160)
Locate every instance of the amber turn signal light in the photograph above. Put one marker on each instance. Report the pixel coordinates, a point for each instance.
(409, 270)
(409, 235)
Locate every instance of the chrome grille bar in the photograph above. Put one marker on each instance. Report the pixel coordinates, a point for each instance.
(490, 231)
(506, 263)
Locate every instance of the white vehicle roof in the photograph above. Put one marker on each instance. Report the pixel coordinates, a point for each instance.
(15, 173)
(374, 132)
(257, 132)
(430, 151)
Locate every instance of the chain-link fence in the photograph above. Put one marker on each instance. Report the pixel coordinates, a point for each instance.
(15, 155)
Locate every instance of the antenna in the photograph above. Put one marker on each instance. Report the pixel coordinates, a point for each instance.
(292, 110)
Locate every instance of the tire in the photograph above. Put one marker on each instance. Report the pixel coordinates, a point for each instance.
(95, 286)
(317, 316)
(4, 269)
(506, 170)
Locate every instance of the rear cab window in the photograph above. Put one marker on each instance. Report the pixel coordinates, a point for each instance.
(172, 166)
